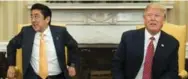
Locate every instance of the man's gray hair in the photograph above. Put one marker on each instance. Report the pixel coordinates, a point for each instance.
(157, 6)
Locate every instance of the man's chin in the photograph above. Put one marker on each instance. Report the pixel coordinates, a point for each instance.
(34, 28)
(155, 28)
(155, 31)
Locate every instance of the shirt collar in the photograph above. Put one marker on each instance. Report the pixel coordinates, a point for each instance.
(46, 31)
(148, 35)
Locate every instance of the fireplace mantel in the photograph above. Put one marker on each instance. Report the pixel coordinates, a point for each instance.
(79, 6)
(98, 23)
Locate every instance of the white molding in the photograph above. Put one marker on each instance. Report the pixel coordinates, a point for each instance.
(100, 5)
(98, 34)
(3, 46)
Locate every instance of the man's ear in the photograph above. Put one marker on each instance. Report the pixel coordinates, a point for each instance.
(48, 19)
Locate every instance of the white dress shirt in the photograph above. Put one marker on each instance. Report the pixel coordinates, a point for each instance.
(146, 43)
(53, 65)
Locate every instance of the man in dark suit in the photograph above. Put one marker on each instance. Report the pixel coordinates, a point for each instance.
(147, 53)
(43, 48)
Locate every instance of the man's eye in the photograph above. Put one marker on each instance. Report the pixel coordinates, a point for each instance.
(157, 15)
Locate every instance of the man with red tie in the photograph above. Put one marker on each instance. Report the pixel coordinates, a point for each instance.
(147, 53)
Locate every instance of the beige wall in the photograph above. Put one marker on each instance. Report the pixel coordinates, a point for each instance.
(179, 14)
(16, 12)
(11, 14)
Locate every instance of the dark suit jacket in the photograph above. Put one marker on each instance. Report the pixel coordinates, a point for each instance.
(25, 38)
(129, 56)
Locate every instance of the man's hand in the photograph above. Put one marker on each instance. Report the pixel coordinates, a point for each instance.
(11, 73)
(72, 71)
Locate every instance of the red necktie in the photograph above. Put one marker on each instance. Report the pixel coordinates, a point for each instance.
(147, 73)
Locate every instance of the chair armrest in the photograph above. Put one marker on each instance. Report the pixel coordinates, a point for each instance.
(18, 73)
(183, 74)
(16, 68)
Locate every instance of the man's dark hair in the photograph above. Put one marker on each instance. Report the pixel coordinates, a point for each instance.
(45, 10)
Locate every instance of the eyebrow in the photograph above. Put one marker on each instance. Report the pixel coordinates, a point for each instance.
(35, 14)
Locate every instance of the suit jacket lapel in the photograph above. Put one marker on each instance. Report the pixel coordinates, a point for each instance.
(56, 38)
(139, 51)
(159, 53)
(27, 47)
(140, 45)
(160, 47)
(29, 40)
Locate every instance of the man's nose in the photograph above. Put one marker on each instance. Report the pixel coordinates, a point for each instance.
(33, 19)
(153, 17)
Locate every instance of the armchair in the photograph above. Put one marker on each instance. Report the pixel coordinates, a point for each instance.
(179, 32)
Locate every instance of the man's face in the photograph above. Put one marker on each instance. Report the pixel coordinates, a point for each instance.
(153, 20)
(38, 22)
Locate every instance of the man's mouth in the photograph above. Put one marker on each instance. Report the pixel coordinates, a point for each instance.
(153, 24)
(34, 24)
